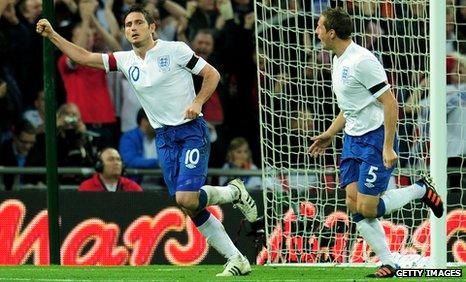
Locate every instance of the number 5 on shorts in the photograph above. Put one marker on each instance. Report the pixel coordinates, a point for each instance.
(372, 176)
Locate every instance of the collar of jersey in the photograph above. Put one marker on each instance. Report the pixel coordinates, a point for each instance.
(347, 50)
(153, 49)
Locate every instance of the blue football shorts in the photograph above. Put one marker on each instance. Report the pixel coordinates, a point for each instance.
(362, 162)
(184, 155)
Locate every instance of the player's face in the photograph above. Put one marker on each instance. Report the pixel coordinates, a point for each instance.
(137, 31)
(323, 34)
(112, 162)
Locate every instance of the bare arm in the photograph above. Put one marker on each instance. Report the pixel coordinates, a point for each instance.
(3, 5)
(322, 141)
(74, 52)
(72, 6)
(209, 84)
(390, 110)
(337, 125)
(412, 105)
(175, 9)
(109, 40)
(111, 20)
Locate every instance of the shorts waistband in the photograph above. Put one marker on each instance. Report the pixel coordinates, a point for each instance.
(170, 127)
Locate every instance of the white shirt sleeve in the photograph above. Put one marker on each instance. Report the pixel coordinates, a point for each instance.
(186, 58)
(371, 74)
(105, 61)
(111, 60)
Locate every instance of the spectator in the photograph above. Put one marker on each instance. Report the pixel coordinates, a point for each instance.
(15, 152)
(27, 49)
(11, 97)
(167, 24)
(137, 148)
(202, 14)
(74, 142)
(87, 87)
(456, 118)
(108, 176)
(36, 115)
(239, 157)
(203, 46)
(8, 113)
(74, 145)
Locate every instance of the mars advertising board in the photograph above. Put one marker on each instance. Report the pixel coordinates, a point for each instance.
(148, 228)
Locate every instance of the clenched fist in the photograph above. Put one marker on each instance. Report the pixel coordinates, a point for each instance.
(44, 28)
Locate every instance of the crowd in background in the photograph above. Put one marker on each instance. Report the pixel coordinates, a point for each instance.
(98, 110)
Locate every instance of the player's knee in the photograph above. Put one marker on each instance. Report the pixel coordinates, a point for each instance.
(187, 203)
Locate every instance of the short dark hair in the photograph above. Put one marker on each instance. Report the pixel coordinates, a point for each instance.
(23, 125)
(338, 20)
(204, 31)
(138, 8)
(140, 116)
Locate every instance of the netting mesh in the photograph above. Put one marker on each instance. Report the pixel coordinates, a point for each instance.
(305, 213)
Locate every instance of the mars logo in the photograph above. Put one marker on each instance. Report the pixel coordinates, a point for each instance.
(95, 242)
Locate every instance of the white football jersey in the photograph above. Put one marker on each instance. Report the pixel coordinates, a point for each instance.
(358, 78)
(162, 80)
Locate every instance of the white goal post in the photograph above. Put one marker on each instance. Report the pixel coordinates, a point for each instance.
(305, 215)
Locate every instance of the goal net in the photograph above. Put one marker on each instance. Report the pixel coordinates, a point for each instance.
(305, 214)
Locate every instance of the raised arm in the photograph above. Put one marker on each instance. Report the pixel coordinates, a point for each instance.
(109, 40)
(174, 9)
(111, 20)
(74, 52)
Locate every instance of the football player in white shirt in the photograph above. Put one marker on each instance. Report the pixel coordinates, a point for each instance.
(368, 114)
(160, 73)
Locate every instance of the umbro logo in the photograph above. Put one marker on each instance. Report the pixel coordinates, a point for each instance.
(369, 185)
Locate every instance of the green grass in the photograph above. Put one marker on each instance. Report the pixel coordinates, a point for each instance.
(191, 273)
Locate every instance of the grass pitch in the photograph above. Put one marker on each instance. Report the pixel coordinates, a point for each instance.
(190, 273)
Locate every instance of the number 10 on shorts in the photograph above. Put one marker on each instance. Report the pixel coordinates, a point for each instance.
(192, 158)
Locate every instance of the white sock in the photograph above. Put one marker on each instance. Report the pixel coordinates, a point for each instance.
(385, 256)
(397, 198)
(217, 195)
(371, 233)
(217, 237)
